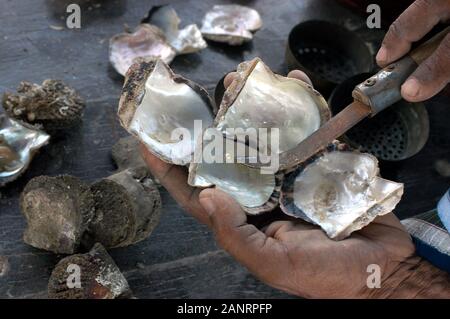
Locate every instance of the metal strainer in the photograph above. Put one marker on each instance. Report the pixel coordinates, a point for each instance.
(328, 53)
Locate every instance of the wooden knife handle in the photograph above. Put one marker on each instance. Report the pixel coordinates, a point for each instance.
(421, 53)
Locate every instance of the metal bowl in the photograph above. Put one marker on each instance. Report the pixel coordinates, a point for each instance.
(328, 53)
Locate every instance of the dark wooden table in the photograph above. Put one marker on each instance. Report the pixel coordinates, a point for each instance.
(180, 259)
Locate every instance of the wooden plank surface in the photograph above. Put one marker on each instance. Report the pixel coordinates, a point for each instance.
(180, 259)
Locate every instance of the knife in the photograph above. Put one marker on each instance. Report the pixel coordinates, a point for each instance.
(370, 97)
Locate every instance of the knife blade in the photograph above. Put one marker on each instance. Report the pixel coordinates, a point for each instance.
(331, 130)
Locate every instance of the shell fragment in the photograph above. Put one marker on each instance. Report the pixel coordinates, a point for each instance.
(147, 41)
(186, 40)
(233, 24)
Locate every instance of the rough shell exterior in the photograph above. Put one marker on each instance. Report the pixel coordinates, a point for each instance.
(58, 211)
(52, 104)
(127, 209)
(100, 278)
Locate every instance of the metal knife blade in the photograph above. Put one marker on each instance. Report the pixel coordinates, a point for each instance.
(335, 127)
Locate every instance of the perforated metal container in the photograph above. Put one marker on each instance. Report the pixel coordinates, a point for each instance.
(394, 134)
(328, 53)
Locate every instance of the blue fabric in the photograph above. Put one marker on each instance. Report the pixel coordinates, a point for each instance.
(431, 254)
(432, 242)
(431, 235)
(443, 209)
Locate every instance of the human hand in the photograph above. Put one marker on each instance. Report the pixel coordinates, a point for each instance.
(290, 254)
(412, 25)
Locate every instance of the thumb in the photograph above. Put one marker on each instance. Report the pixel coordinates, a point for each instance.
(431, 76)
(247, 244)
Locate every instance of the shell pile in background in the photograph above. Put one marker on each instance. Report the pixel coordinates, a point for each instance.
(186, 40)
(338, 189)
(146, 41)
(159, 35)
(232, 24)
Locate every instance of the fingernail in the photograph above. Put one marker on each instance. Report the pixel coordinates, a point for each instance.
(209, 205)
(382, 54)
(411, 87)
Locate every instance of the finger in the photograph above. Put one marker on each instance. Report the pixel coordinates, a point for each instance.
(262, 255)
(412, 25)
(431, 76)
(300, 75)
(229, 78)
(174, 180)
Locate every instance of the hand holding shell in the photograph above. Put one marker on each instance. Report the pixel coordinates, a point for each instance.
(156, 102)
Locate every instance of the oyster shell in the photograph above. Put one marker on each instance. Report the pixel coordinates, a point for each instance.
(100, 277)
(147, 41)
(7, 155)
(258, 98)
(53, 104)
(19, 143)
(186, 40)
(127, 209)
(340, 191)
(126, 153)
(65, 215)
(255, 192)
(58, 211)
(155, 102)
(232, 24)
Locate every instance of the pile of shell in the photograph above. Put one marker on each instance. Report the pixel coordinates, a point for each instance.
(65, 215)
(159, 36)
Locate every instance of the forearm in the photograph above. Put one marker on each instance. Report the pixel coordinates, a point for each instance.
(414, 278)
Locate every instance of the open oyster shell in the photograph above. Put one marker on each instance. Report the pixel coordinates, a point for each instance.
(255, 192)
(232, 24)
(18, 143)
(258, 98)
(186, 40)
(339, 190)
(147, 41)
(155, 102)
